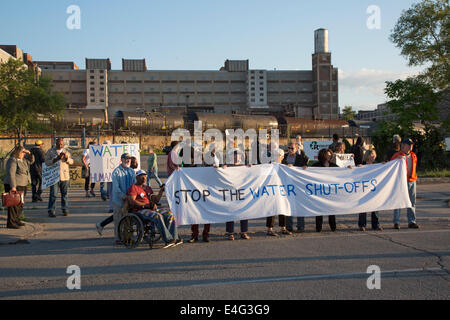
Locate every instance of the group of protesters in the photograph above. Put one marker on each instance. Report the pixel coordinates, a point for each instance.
(130, 188)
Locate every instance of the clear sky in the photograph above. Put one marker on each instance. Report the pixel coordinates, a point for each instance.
(202, 34)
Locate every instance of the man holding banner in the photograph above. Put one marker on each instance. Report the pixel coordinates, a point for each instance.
(411, 176)
(61, 155)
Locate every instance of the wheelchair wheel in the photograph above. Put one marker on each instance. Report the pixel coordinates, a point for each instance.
(151, 235)
(131, 230)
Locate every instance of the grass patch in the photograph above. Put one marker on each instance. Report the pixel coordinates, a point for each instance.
(434, 173)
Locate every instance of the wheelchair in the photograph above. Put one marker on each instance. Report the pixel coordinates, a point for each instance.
(135, 227)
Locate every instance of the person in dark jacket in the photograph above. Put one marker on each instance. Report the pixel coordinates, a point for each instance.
(36, 171)
(358, 151)
(325, 156)
(16, 180)
(296, 159)
(369, 158)
(396, 144)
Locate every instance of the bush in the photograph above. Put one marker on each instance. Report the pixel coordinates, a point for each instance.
(429, 145)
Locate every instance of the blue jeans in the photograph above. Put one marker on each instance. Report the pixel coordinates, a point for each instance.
(107, 193)
(63, 188)
(410, 212)
(154, 175)
(164, 221)
(290, 223)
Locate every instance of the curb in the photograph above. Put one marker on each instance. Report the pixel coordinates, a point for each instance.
(17, 236)
(431, 180)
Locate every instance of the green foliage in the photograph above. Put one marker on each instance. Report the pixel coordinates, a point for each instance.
(422, 34)
(348, 113)
(429, 145)
(24, 95)
(412, 100)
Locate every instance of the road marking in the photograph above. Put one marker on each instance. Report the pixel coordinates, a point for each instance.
(334, 276)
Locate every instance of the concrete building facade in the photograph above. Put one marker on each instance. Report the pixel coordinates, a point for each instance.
(234, 88)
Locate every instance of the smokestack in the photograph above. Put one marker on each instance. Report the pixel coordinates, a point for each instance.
(321, 41)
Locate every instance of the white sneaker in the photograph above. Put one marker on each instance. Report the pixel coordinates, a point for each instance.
(169, 244)
(99, 228)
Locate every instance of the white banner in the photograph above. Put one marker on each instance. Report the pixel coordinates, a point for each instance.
(104, 158)
(343, 160)
(50, 175)
(210, 195)
(313, 147)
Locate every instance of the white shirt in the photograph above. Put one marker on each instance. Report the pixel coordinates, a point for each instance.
(86, 156)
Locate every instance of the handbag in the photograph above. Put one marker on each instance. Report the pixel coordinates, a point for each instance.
(12, 199)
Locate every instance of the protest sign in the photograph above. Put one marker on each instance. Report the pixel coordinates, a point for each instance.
(343, 160)
(104, 158)
(313, 147)
(210, 195)
(50, 174)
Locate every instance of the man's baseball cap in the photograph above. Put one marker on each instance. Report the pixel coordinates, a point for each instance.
(38, 142)
(140, 173)
(408, 141)
(125, 156)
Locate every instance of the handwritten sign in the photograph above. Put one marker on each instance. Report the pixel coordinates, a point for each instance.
(50, 174)
(104, 158)
(343, 160)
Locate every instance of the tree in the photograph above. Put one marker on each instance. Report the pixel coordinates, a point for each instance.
(348, 113)
(412, 100)
(24, 95)
(422, 34)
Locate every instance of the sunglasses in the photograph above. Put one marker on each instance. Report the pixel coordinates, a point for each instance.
(291, 148)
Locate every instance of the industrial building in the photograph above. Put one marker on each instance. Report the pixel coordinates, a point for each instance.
(234, 88)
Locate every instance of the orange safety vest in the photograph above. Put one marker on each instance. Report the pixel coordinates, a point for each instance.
(413, 176)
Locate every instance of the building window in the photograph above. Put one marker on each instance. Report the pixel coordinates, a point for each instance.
(102, 71)
(102, 89)
(92, 95)
(91, 71)
(92, 89)
(92, 82)
(92, 100)
(102, 77)
(92, 77)
(102, 100)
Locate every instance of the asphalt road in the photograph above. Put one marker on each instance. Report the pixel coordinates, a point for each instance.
(414, 264)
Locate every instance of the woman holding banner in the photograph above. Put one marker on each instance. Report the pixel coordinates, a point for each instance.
(281, 218)
(325, 156)
(369, 158)
(238, 161)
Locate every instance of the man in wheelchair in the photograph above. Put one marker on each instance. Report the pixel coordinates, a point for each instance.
(141, 199)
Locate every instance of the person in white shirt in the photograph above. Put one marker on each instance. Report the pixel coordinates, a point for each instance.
(86, 172)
